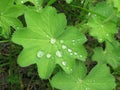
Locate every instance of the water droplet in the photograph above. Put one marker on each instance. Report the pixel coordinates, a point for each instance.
(107, 34)
(87, 88)
(75, 53)
(17, 27)
(71, 53)
(52, 41)
(40, 54)
(58, 53)
(69, 50)
(100, 40)
(63, 63)
(64, 47)
(73, 40)
(61, 41)
(22, 1)
(47, 36)
(81, 56)
(48, 55)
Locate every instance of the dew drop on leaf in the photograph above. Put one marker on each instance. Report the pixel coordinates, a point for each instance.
(71, 53)
(58, 53)
(48, 55)
(73, 40)
(107, 34)
(69, 69)
(87, 88)
(63, 63)
(75, 53)
(61, 41)
(22, 1)
(40, 54)
(64, 47)
(69, 50)
(81, 56)
(52, 41)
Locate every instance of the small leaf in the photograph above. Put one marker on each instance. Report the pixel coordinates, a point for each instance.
(99, 78)
(47, 42)
(110, 55)
(103, 24)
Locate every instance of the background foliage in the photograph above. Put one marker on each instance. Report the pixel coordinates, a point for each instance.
(84, 51)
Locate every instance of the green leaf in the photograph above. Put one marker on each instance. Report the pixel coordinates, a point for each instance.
(47, 42)
(35, 2)
(8, 16)
(111, 54)
(103, 24)
(5, 3)
(116, 3)
(99, 78)
(69, 1)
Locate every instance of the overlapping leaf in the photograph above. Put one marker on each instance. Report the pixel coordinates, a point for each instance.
(47, 42)
(8, 16)
(99, 78)
(103, 23)
(111, 54)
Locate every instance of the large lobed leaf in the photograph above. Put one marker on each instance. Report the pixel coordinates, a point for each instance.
(99, 78)
(47, 42)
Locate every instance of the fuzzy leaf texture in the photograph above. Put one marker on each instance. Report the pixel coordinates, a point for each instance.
(8, 16)
(103, 24)
(99, 78)
(47, 42)
(111, 54)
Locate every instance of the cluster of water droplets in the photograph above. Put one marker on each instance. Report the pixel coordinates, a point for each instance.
(41, 53)
(69, 50)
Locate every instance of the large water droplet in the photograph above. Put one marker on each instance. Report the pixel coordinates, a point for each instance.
(48, 55)
(40, 54)
(63, 63)
(52, 41)
(64, 47)
(59, 53)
